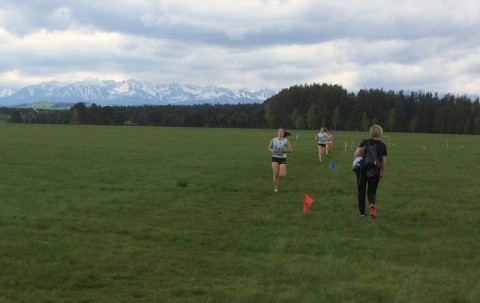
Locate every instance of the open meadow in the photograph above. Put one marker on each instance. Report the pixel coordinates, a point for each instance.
(152, 214)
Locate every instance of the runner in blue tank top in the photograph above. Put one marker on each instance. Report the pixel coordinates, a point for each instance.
(279, 147)
(322, 142)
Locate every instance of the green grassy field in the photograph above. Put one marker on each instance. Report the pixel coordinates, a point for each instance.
(133, 214)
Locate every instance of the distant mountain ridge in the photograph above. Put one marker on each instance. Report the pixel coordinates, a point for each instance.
(129, 92)
(5, 92)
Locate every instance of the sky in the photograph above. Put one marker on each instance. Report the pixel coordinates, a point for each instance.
(428, 45)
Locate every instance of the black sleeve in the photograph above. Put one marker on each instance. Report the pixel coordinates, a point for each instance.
(383, 150)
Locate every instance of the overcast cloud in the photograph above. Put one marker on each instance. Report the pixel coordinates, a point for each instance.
(430, 45)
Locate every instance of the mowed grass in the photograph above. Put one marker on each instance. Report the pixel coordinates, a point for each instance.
(134, 214)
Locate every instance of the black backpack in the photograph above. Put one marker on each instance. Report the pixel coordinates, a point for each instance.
(370, 164)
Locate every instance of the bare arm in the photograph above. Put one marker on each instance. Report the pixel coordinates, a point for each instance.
(384, 166)
(358, 152)
(270, 146)
(289, 148)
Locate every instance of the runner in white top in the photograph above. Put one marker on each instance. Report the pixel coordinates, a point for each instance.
(329, 142)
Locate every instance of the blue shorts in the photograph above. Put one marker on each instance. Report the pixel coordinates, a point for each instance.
(279, 160)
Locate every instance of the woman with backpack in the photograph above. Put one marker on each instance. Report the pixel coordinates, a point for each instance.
(372, 170)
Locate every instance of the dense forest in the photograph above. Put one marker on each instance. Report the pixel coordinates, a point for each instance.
(297, 107)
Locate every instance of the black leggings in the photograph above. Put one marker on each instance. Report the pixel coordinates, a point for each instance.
(366, 187)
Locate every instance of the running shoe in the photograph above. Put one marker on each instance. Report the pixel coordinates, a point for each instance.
(373, 211)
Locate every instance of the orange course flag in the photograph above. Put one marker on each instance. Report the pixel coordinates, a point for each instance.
(307, 201)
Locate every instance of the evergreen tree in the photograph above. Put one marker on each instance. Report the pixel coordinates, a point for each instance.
(392, 116)
(336, 118)
(365, 122)
(312, 122)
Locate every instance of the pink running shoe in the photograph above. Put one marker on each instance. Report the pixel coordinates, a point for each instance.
(373, 211)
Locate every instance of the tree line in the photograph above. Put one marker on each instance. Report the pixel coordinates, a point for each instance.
(297, 107)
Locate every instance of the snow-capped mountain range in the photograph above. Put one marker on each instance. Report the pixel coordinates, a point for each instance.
(129, 92)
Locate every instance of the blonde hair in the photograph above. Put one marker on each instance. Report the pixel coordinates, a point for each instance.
(376, 131)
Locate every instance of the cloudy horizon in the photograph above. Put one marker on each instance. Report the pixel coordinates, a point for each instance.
(430, 46)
